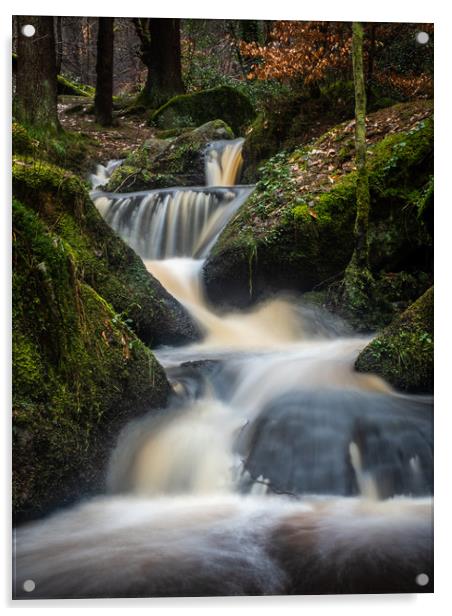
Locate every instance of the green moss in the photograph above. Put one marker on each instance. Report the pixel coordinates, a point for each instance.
(403, 352)
(67, 149)
(304, 237)
(109, 266)
(161, 163)
(21, 141)
(224, 102)
(68, 87)
(296, 118)
(79, 371)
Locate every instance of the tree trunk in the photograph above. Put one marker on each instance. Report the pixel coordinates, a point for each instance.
(36, 89)
(59, 44)
(358, 297)
(362, 184)
(103, 101)
(160, 52)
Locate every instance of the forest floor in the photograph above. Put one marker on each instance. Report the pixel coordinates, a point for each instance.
(333, 155)
(108, 143)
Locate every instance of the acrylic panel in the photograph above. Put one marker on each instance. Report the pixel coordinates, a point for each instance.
(222, 307)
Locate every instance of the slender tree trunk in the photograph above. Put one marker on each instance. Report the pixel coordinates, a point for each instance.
(160, 51)
(362, 185)
(358, 297)
(36, 89)
(103, 101)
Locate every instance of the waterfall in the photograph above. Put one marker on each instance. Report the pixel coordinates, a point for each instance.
(223, 162)
(103, 173)
(177, 222)
(174, 222)
(276, 468)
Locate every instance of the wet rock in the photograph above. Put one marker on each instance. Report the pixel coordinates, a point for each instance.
(403, 352)
(79, 372)
(163, 163)
(109, 266)
(296, 230)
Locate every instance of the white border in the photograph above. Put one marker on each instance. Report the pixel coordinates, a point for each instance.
(342, 10)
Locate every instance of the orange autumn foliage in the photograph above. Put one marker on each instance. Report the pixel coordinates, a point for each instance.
(306, 49)
(313, 50)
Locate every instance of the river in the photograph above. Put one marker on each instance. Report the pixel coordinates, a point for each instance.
(276, 469)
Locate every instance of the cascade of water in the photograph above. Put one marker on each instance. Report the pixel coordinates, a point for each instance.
(174, 222)
(103, 173)
(268, 404)
(223, 162)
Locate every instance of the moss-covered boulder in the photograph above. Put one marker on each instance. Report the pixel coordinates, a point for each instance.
(79, 371)
(296, 229)
(162, 163)
(105, 262)
(403, 352)
(223, 102)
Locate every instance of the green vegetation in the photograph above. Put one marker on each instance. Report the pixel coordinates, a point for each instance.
(79, 371)
(299, 221)
(108, 265)
(403, 352)
(71, 88)
(66, 149)
(162, 163)
(224, 103)
(288, 118)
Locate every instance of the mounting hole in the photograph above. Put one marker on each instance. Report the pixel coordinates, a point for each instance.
(28, 30)
(422, 38)
(29, 585)
(422, 579)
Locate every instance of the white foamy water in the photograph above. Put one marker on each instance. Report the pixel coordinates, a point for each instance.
(128, 546)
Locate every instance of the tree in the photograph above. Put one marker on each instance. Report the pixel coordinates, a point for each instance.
(316, 51)
(36, 79)
(362, 182)
(297, 49)
(103, 101)
(59, 43)
(160, 51)
(358, 280)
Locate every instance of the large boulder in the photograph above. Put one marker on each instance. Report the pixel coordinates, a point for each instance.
(403, 352)
(223, 102)
(296, 230)
(79, 371)
(107, 264)
(163, 163)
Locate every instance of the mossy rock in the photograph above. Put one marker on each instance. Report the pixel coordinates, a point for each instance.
(375, 305)
(79, 372)
(223, 102)
(107, 264)
(299, 237)
(67, 149)
(22, 143)
(403, 352)
(163, 163)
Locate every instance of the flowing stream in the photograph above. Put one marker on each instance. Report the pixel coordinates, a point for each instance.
(276, 469)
